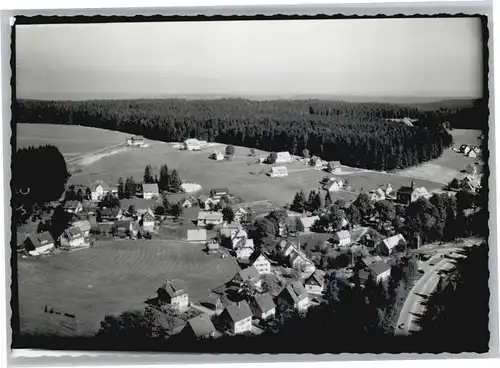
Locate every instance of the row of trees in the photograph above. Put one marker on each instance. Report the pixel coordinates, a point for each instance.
(355, 134)
(168, 181)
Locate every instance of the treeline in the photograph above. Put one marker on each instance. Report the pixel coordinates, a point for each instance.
(355, 134)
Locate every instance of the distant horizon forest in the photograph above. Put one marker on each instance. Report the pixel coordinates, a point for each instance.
(356, 134)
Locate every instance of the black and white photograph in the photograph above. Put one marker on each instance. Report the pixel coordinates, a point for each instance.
(251, 184)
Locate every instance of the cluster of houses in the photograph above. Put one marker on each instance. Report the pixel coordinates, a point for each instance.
(468, 150)
(99, 189)
(236, 313)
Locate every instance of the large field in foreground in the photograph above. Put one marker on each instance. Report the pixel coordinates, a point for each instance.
(111, 278)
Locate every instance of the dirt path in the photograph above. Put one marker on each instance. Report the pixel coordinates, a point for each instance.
(75, 160)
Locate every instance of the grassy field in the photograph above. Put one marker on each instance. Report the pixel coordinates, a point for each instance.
(71, 140)
(242, 175)
(449, 165)
(113, 277)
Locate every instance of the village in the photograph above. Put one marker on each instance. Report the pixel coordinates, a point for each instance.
(283, 253)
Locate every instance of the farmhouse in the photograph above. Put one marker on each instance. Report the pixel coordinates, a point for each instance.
(472, 153)
(241, 215)
(278, 172)
(420, 193)
(192, 144)
(388, 245)
(173, 292)
(73, 207)
(84, 226)
(126, 228)
(294, 296)
(379, 270)
(305, 223)
(470, 183)
(217, 303)
(209, 218)
(217, 156)
(316, 162)
(111, 214)
(148, 220)
(296, 259)
(206, 202)
(187, 203)
(239, 317)
(404, 193)
(377, 195)
(262, 306)
(249, 274)
(369, 260)
(150, 191)
(342, 238)
(315, 284)
(39, 243)
(245, 249)
(238, 238)
(199, 327)
(135, 141)
(218, 193)
(334, 185)
(334, 167)
(466, 150)
(281, 157)
(72, 237)
(98, 190)
(197, 235)
(229, 230)
(260, 261)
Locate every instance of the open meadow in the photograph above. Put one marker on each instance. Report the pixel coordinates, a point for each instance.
(113, 277)
(450, 163)
(243, 176)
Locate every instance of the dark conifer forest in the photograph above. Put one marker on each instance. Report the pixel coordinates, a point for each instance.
(355, 134)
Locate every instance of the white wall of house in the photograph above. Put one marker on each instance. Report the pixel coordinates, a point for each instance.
(181, 301)
(384, 275)
(148, 225)
(148, 195)
(313, 289)
(303, 304)
(268, 313)
(44, 248)
(242, 326)
(262, 265)
(344, 241)
(97, 194)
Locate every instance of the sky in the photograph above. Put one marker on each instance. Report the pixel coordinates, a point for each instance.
(427, 57)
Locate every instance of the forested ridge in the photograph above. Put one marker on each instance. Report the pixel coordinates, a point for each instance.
(355, 134)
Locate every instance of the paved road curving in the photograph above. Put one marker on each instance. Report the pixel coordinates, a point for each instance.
(413, 307)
